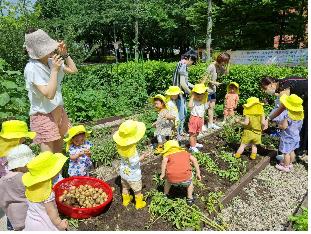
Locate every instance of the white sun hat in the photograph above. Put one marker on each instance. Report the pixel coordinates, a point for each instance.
(19, 156)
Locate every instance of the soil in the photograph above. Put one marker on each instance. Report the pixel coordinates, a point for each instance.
(103, 121)
(117, 217)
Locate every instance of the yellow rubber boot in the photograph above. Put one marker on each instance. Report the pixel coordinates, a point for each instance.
(140, 203)
(253, 156)
(237, 155)
(159, 149)
(127, 198)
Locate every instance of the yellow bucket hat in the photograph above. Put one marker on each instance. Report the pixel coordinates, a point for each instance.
(16, 129)
(6, 145)
(161, 97)
(292, 102)
(199, 88)
(73, 132)
(174, 90)
(236, 85)
(171, 147)
(129, 133)
(253, 107)
(39, 192)
(296, 115)
(126, 151)
(43, 167)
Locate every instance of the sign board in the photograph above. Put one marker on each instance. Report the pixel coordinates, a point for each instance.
(290, 57)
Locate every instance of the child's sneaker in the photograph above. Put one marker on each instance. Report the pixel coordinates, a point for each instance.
(213, 126)
(199, 145)
(204, 128)
(194, 149)
(190, 201)
(282, 168)
(290, 166)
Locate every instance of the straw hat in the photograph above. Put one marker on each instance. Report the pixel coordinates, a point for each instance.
(129, 133)
(39, 44)
(236, 85)
(171, 147)
(15, 129)
(199, 88)
(19, 156)
(126, 151)
(161, 97)
(174, 90)
(292, 102)
(253, 107)
(73, 132)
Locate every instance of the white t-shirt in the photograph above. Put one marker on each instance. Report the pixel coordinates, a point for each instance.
(36, 73)
(172, 107)
(199, 109)
(130, 168)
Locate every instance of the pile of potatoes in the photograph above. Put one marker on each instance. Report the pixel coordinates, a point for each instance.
(83, 196)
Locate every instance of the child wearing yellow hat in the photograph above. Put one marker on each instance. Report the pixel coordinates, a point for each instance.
(128, 135)
(79, 150)
(172, 94)
(176, 167)
(253, 124)
(231, 99)
(198, 105)
(42, 214)
(165, 121)
(290, 122)
(12, 190)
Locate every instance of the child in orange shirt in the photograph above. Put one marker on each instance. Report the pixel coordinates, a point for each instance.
(231, 99)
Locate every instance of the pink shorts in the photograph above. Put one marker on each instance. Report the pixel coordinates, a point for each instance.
(195, 124)
(228, 112)
(50, 127)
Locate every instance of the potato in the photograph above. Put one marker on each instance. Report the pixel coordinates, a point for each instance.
(95, 196)
(113, 189)
(72, 187)
(61, 198)
(65, 191)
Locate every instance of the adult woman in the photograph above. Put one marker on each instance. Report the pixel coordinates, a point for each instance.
(215, 70)
(180, 79)
(290, 85)
(43, 74)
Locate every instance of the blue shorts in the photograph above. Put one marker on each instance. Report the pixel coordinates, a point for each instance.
(212, 96)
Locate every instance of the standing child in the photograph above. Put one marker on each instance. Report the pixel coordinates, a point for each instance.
(12, 190)
(172, 94)
(129, 134)
(253, 124)
(231, 99)
(165, 121)
(176, 167)
(290, 122)
(198, 105)
(79, 150)
(42, 214)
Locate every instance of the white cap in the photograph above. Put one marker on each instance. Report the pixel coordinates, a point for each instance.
(19, 156)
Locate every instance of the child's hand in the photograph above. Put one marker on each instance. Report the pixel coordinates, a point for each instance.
(63, 225)
(198, 175)
(162, 176)
(57, 62)
(62, 48)
(87, 152)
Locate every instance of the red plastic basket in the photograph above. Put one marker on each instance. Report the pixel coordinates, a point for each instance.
(81, 213)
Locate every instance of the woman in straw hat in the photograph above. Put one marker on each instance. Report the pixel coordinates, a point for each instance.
(49, 61)
(253, 124)
(42, 214)
(12, 190)
(290, 122)
(129, 134)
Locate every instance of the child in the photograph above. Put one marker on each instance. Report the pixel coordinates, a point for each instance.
(164, 123)
(176, 167)
(79, 150)
(129, 134)
(231, 99)
(12, 190)
(290, 122)
(172, 94)
(253, 124)
(198, 105)
(42, 214)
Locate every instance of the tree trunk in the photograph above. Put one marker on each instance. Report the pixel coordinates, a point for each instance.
(209, 30)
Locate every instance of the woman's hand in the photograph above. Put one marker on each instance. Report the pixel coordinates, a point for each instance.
(57, 62)
(62, 48)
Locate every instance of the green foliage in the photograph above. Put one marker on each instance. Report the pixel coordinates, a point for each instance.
(231, 132)
(300, 221)
(270, 141)
(156, 179)
(213, 202)
(149, 116)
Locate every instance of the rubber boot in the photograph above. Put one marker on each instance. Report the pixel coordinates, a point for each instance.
(253, 156)
(159, 149)
(140, 203)
(127, 198)
(237, 155)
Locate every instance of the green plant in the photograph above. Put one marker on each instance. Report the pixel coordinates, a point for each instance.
(300, 221)
(213, 202)
(270, 141)
(204, 159)
(231, 133)
(156, 179)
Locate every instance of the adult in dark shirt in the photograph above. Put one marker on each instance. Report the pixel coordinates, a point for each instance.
(289, 85)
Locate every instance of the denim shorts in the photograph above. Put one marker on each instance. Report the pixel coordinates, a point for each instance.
(212, 96)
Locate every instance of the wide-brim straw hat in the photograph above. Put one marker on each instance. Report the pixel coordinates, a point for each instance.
(129, 133)
(161, 97)
(127, 151)
(292, 102)
(171, 147)
(43, 167)
(19, 156)
(236, 85)
(173, 90)
(16, 129)
(39, 192)
(39, 44)
(73, 131)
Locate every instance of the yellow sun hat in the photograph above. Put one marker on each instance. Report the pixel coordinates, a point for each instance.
(129, 133)
(171, 147)
(161, 97)
(43, 167)
(6, 145)
(296, 115)
(173, 90)
(73, 132)
(39, 192)
(199, 88)
(253, 107)
(292, 102)
(126, 151)
(236, 85)
(16, 129)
